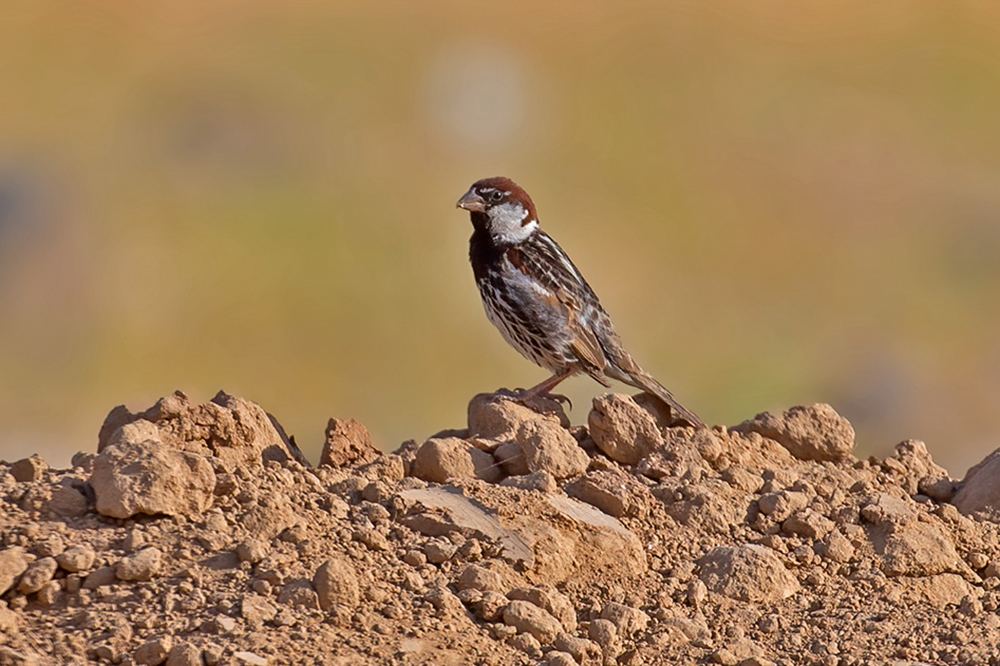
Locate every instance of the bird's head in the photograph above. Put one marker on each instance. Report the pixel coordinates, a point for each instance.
(502, 208)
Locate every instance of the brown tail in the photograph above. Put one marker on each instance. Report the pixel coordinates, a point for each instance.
(648, 383)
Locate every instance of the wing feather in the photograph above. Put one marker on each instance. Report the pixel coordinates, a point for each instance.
(541, 258)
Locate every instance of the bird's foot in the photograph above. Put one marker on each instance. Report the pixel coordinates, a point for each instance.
(544, 403)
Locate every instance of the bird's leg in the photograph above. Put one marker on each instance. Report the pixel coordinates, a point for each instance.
(542, 390)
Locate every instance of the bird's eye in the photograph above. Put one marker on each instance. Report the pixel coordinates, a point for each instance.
(496, 196)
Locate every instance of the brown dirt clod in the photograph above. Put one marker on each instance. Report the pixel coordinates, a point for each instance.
(348, 443)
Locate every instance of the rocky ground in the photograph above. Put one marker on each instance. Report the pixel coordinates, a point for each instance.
(197, 534)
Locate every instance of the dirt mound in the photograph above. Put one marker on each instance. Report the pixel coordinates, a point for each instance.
(198, 535)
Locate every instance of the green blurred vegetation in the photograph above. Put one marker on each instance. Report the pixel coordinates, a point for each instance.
(779, 204)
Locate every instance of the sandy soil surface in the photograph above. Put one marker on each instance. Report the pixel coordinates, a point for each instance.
(197, 534)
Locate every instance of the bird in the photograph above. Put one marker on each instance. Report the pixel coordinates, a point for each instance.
(540, 302)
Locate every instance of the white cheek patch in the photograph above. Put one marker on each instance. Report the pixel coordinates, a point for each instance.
(507, 223)
(510, 212)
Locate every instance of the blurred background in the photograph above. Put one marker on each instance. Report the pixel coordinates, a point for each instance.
(779, 204)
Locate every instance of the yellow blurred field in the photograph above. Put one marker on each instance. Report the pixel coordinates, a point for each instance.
(779, 205)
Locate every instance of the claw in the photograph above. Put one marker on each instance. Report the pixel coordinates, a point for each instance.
(536, 402)
(533, 401)
(559, 397)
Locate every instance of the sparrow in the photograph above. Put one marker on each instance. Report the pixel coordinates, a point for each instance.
(539, 300)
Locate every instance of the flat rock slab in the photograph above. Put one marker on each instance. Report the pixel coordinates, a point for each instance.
(459, 512)
(554, 536)
(587, 514)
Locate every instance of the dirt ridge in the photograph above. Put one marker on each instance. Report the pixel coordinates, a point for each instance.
(198, 535)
